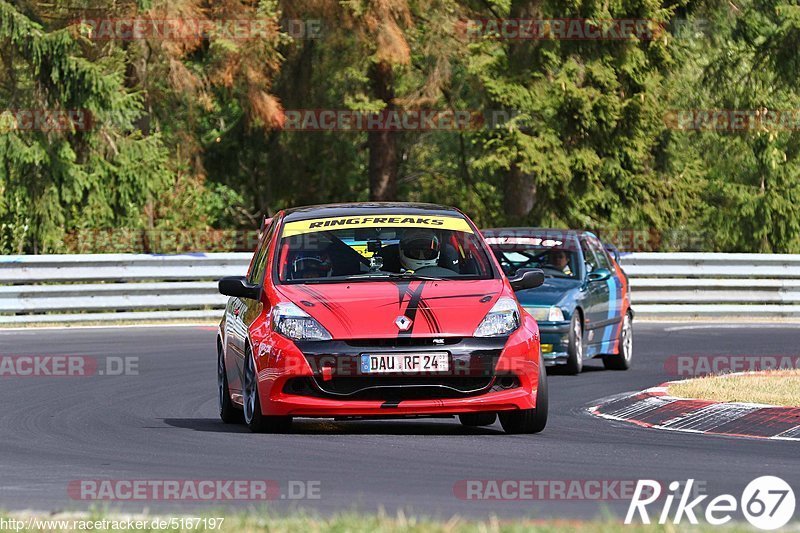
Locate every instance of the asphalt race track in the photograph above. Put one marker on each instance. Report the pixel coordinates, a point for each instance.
(162, 424)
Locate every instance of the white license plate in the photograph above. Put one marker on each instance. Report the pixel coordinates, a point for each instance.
(404, 362)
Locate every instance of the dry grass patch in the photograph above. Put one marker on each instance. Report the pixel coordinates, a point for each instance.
(771, 387)
(266, 522)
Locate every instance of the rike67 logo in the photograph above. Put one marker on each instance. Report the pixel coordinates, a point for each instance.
(767, 502)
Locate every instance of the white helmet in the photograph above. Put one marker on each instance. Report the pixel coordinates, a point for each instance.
(419, 248)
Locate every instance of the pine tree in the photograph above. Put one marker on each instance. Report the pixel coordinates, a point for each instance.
(96, 172)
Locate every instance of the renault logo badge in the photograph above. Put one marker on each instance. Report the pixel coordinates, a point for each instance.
(403, 322)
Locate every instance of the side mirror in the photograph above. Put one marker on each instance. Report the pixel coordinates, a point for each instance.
(239, 287)
(610, 248)
(601, 274)
(527, 278)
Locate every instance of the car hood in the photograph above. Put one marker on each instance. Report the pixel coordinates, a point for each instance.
(551, 292)
(370, 309)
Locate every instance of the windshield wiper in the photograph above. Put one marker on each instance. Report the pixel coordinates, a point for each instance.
(367, 275)
(393, 275)
(374, 275)
(411, 275)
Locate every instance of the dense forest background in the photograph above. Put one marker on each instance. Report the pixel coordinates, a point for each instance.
(187, 136)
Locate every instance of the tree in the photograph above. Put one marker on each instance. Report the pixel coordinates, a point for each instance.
(94, 168)
(580, 151)
(751, 169)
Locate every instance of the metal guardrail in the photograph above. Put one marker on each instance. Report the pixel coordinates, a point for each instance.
(111, 287)
(127, 287)
(714, 284)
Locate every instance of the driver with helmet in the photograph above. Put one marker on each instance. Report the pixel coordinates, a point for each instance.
(419, 248)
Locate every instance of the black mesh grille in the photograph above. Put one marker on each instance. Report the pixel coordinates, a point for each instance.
(390, 388)
(401, 342)
(504, 383)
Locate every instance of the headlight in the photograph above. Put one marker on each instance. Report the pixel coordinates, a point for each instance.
(501, 319)
(555, 315)
(546, 314)
(294, 323)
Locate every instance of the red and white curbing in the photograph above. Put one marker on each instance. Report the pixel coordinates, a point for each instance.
(652, 408)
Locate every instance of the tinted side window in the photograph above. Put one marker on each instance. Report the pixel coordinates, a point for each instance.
(589, 257)
(600, 253)
(260, 264)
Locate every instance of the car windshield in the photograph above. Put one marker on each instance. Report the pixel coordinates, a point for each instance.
(380, 248)
(554, 256)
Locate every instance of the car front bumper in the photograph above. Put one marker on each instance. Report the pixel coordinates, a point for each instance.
(555, 342)
(287, 404)
(492, 375)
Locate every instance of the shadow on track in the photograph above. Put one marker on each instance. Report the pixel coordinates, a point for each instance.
(560, 370)
(212, 425)
(310, 426)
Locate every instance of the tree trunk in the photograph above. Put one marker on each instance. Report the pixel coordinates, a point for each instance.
(519, 193)
(382, 145)
(519, 190)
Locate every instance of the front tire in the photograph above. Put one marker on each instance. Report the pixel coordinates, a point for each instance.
(529, 420)
(575, 349)
(227, 411)
(253, 417)
(477, 419)
(622, 361)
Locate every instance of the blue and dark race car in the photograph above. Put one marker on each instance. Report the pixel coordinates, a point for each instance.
(584, 307)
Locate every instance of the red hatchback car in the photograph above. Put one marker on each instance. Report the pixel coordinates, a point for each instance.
(378, 310)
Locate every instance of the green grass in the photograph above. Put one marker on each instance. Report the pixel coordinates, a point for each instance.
(253, 521)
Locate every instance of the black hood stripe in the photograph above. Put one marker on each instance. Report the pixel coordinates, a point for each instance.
(451, 296)
(415, 295)
(430, 316)
(335, 309)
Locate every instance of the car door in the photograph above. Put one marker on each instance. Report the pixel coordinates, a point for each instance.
(238, 315)
(596, 300)
(613, 304)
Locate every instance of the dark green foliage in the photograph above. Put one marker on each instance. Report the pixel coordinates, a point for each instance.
(186, 135)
